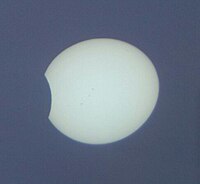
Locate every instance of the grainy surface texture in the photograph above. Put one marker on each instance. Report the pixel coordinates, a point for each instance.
(165, 150)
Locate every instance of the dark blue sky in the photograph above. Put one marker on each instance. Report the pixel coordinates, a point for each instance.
(165, 150)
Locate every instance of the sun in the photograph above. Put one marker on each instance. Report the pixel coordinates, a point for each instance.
(102, 90)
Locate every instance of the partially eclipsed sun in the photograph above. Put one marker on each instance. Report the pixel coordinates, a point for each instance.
(102, 90)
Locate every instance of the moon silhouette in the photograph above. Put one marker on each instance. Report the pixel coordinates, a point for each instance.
(102, 90)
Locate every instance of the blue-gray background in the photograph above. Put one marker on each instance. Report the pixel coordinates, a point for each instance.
(163, 151)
